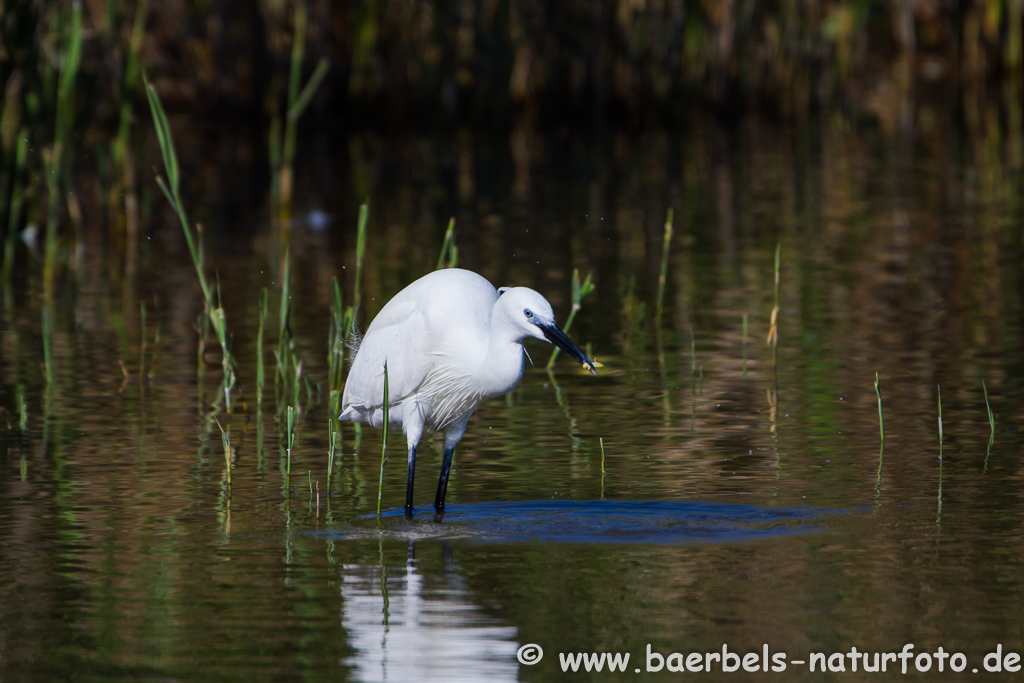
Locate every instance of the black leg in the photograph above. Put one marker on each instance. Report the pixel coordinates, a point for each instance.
(409, 481)
(442, 483)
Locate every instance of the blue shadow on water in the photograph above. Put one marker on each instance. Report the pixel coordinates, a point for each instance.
(597, 521)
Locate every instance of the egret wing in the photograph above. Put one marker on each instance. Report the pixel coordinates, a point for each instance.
(397, 336)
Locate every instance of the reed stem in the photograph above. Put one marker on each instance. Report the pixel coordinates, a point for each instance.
(991, 427)
(297, 104)
(449, 252)
(290, 426)
(384, 442)
(332, 445)
(881, 422)
(335, 349)
(773, 332)
(56, 158)
(171, 188)
(353, 311)
(259, 346)
(663, 275)
(212, 314)
(225, 439)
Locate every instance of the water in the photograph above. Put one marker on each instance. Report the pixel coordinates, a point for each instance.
(739, 506)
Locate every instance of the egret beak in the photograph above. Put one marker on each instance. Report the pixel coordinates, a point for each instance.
(554, 334)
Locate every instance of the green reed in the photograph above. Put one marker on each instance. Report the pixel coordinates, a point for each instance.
(131, 79)
(351, 323)
(988, 409)
(225, 439)
(881, 422)
(22, 414)
(580, 291)
(49, 371)
(384, 442)
(220, 327)
(335, 349)
(333, 435)
(22, 427)
(881, 432)
(121, 161)
(170, 188)
(449, 256)
(284, 313)
(213, 315)
(259, 346)
(283, 150)
(878, 478)
(289, 366)
(991, 426)
(290, 439)
(663, 275)
(57, 156)
(773, 332)
(353, 311)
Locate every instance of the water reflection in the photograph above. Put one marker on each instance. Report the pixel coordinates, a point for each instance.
(405, 626)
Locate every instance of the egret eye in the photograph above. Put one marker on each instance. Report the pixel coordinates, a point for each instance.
(528, 313)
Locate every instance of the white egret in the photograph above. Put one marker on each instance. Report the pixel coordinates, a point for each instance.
(450, 341)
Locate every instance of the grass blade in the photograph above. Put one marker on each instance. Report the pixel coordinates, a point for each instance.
(447, 247)
(304, 98)
(384, 444)
(991, 426)
(259, 346)
(881, 423)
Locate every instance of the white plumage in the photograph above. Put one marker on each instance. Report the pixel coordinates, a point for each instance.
(450, 341)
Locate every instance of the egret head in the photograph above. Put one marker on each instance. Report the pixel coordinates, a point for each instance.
(530, 315)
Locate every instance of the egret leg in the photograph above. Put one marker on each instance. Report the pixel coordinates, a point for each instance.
(442, 483)
(411, 418)
(409, 481)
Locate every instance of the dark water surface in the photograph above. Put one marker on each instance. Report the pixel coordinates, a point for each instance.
(740, 506)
